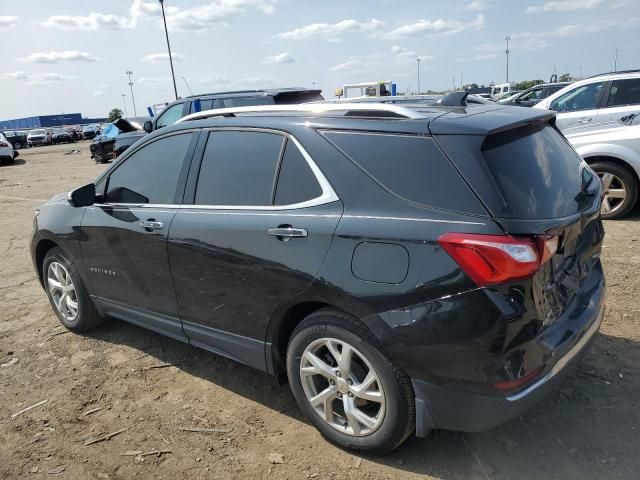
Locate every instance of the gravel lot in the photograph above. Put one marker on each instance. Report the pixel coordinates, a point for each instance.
(589, 428)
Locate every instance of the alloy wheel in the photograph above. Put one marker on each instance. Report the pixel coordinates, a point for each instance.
(63, 291)
(342, 386)
(615, 192)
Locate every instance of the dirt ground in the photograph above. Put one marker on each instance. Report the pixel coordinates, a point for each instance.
(587, 429)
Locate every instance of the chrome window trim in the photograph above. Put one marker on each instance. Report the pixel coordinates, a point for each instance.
(328, 195)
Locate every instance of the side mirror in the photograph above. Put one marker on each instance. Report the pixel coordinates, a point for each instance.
(148, 126)
(83, 196)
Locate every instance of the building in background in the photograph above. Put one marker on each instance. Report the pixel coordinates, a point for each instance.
(47, 121)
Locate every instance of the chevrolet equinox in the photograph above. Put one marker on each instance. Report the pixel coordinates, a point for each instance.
(405, 268)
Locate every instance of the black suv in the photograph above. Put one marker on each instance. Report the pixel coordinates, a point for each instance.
(240, 98)
(405, 268)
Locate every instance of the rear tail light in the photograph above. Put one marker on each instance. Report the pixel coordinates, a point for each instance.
(494, 259)
(4, 145)
(512, 385)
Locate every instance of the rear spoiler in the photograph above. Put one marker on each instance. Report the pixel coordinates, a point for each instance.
(488, 120)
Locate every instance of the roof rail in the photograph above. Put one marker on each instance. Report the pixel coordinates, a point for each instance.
(635, 70)
(346, 109)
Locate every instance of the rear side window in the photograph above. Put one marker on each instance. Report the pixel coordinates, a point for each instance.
(239, 168)
(296, 181)
(624, 92)
(537, 172)
(410, 167)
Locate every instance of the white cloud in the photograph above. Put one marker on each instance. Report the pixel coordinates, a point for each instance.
(403, 53)
(564, 6)
(161, 57)
(37, 79)
(8, 21)
(331, 31)
(347, 66)
(442, 27)
(198, 18)
(101, 90)
(284, 57)
(477, 5)
(58, 57)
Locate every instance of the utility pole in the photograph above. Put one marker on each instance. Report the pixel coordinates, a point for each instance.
(418, 62)
(461, 81)
(580, 72)
(124, 102)
(129, 72)
(313, 85)
(615, 61)
(507, 38)
(166, 32)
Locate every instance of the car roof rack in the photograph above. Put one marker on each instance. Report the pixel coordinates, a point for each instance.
(635, 70)
(371, 110)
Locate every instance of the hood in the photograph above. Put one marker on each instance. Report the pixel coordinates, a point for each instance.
(126, 125)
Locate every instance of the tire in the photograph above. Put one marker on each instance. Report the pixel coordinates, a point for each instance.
(17, 145)
(86, 316)
(391, 417)
(622, 179)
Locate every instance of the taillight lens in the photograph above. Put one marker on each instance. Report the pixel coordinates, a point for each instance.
(494, 259)
(4, 145)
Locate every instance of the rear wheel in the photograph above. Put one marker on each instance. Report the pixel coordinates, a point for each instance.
(17, 145)
(67, 294)
(620, 189)
(346, 386)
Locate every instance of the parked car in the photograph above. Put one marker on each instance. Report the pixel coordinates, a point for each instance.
(595, 103)
(380, 272)
(614, 153)
(17, 138)
(61, 135)
(196, 103)
(75, 131)
(7, 153)
(102, 146)
(90, 131)
(531, 96)
(40, 136)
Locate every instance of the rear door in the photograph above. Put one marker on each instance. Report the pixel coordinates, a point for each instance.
(260, 222)
(578, 108)
(622, 103)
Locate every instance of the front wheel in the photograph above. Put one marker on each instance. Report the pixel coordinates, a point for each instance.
(620, 189)
(67, 294)
(346, 386)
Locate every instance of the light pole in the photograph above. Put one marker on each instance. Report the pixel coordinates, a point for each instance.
(133, 100)
(615, 62)
(418, 62)
(166, 32)
(124, 102)
(507, 38)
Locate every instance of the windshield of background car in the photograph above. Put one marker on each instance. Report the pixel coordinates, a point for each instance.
(584, 97)
(538, 173)
(36, 132)
(87, 128)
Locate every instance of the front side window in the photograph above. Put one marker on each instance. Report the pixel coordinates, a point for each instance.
(584, 97)
(624, 92)
(532, 95)
(239, 168)
(150, 175)
(170, 116)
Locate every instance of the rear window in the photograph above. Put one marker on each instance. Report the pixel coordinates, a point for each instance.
(410, 167)
(536, 170)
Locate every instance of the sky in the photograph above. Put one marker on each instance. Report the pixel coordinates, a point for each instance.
(67, 56)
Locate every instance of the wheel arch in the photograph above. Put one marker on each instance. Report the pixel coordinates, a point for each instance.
(42, 247)
(617, 161)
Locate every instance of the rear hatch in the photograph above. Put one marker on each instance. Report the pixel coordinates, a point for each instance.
(534, 184)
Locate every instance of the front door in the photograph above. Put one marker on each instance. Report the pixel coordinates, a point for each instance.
(124, 237)
(578, 108)
(261, 224)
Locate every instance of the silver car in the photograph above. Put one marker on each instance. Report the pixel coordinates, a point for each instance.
(614, 153)
(603, 101)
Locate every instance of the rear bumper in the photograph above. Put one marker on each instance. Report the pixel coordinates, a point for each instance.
(448, 408)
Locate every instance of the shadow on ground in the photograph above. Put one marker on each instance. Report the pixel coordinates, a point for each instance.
(588, 428)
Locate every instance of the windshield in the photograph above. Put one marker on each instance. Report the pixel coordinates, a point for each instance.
(88, 128)
(36, 132)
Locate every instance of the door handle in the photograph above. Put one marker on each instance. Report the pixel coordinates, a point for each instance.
(286, 232)
(585, 120)
(151, 224)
